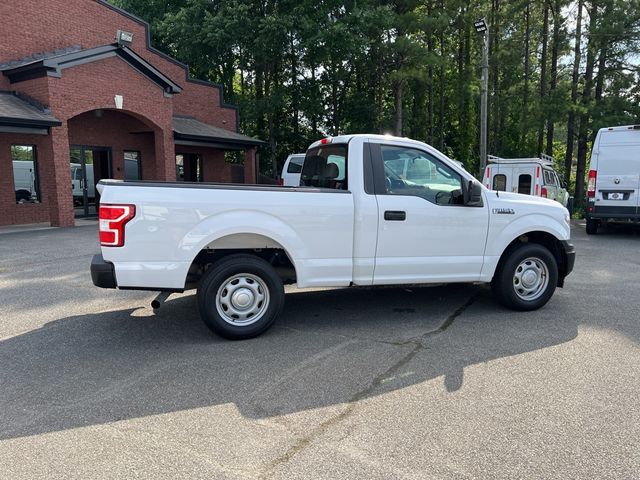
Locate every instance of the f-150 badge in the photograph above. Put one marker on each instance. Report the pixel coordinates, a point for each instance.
(504, 211)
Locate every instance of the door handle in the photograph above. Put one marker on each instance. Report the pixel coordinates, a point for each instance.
(395, 215)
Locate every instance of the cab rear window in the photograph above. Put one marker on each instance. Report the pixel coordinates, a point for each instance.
(326, 167)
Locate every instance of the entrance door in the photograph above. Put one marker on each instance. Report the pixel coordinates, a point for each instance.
(88, 166)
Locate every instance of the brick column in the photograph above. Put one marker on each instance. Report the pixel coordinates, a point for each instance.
(60, 194)
(165, 155)
(250, 174)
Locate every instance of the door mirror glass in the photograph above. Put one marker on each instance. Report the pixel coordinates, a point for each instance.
(473, 194)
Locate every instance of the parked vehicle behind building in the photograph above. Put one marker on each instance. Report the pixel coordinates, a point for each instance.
(613, 192)
(529, 176)
(78, 179)
(374, 210)
(291, 170)
(24, 179)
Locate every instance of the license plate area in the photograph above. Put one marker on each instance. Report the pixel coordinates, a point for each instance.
(616, 195)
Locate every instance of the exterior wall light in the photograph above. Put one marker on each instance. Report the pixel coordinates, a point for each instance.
(124, 39)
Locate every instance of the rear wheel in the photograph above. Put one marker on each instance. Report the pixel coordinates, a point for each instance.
(526, 278)
(592, 226)
(240, 296)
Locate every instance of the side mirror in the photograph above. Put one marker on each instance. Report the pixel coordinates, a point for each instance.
(473, 194)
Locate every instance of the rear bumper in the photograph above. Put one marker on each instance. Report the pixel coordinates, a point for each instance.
(605, 212)
(102, 273)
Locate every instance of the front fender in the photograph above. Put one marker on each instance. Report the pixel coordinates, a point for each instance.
(500, 236)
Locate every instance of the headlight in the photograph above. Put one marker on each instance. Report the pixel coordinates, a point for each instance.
(567, 218)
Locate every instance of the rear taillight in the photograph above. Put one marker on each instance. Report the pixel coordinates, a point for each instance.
(543, 192)
(113, 218)
(282, 182)
(591, 188)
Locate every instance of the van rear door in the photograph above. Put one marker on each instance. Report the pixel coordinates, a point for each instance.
(618, 172)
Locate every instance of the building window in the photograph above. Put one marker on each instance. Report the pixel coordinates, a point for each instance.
(132, 165)
(500, 182)
(189, 167)
(25, 173)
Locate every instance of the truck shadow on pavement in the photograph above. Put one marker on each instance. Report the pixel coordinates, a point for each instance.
(328, 348)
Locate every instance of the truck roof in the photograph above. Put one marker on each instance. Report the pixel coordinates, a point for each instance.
(347, 138)
(544, 160)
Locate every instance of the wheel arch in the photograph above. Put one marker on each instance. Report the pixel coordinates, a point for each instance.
(256, 233)
(543, 238)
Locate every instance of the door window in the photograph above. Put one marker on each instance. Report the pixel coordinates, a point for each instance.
(524, 184)
(500, 182)
(413, 172)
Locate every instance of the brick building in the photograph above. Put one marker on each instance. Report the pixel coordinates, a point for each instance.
(84, 96)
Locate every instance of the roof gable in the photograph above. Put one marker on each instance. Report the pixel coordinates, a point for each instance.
(54, 64)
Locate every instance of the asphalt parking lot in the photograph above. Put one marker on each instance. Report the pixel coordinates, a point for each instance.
(369, 383)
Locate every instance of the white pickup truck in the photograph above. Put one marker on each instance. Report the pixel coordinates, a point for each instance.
(372, 210)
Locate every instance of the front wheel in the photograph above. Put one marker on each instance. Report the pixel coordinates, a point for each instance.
(240, 297)
(527, 277)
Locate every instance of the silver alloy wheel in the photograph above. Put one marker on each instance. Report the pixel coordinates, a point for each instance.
(242, 299)
(531, 278)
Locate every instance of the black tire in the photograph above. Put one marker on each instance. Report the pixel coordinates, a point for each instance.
(525, 259)
(256, 279)
(570, 205)
(592, 226)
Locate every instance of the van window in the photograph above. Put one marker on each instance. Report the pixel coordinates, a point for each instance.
(524, 184)
(549, 178)
(25, 173)
(326, 167)
(295, 164)
(500, 182)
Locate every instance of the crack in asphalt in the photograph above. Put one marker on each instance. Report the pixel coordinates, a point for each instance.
(300, 445)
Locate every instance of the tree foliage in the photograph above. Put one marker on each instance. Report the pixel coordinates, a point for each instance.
(304, 69)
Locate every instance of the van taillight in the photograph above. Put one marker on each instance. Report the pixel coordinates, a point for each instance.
(591, 189)
(282, 182)
(113, 218)
(543, 192)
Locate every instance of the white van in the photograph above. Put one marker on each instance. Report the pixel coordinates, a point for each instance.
(614, 177)
(291, 170)
(529, 176)
(24, 178)
(77, 180)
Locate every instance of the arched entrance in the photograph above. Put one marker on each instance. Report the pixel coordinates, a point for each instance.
(107, 143)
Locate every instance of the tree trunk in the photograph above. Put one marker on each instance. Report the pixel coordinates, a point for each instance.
(554, 73)
(585, 115)
(574, 97)
(525, 93)
(442, 86)
(398, 91)
(543, 76)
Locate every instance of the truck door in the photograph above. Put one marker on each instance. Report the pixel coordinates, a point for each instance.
(425, 233)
